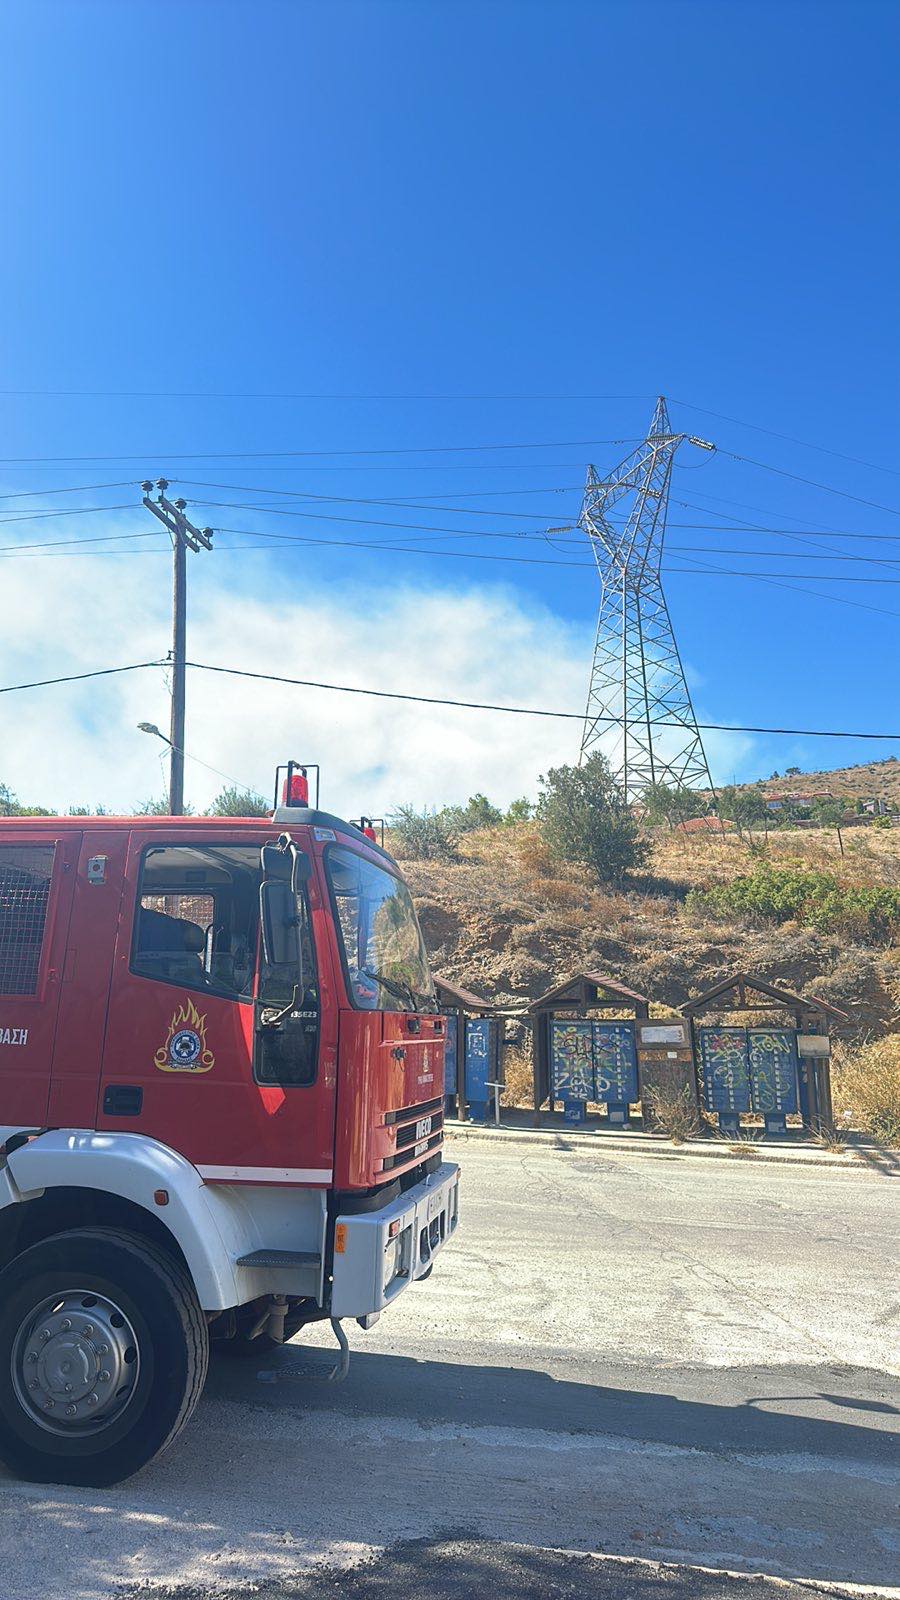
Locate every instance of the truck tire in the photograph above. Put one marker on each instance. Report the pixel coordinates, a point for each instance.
(103, 1356)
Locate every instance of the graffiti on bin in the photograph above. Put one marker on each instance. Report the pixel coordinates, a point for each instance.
(615, 1063)
(572, 1055)
(773, 1070)
(725, 1069)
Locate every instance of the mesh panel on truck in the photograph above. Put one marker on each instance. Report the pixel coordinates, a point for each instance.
(25, 874)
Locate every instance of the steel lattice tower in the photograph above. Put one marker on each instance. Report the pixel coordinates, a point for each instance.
(639, 710)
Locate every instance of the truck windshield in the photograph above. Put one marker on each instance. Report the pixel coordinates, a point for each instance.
(382, 945)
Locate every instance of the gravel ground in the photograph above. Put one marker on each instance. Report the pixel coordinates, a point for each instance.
(691, 1363)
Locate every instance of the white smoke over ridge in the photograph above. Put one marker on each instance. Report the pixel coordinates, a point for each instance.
(77, 743)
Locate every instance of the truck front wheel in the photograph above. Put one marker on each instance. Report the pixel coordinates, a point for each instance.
(103, 1356)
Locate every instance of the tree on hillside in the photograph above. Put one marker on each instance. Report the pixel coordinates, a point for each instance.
(234, 802)
(423, 835)
(518, 811)
(584, 818)
(829, 813)
(743, 807)
(478, 812)
(664, 802)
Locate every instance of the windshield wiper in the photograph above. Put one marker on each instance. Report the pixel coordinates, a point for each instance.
(403, 991)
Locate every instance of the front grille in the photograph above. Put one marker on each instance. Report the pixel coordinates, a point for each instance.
(421, 1110)
(407, 1134)
(408, 1139)
(406, 1155)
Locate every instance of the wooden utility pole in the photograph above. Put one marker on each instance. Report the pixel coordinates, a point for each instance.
(184, 537)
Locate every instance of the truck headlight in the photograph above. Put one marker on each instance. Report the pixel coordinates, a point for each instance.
(396, 1257)
(391, 1261)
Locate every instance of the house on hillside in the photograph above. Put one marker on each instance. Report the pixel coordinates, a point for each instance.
(778, 802)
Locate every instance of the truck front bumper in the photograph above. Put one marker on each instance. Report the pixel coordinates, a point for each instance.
(377, 1254)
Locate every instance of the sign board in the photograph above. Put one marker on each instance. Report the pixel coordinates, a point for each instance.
(814, 1044)
(657, 1033)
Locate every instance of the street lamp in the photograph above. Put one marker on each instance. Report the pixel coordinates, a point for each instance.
(150, 727)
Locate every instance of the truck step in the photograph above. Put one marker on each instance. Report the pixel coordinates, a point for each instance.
(281, 1258)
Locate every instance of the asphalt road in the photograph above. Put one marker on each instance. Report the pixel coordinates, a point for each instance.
(683, 1363)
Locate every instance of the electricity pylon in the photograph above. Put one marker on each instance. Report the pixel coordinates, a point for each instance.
(639, 710)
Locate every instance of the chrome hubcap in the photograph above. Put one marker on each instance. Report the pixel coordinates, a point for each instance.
(75, 1362)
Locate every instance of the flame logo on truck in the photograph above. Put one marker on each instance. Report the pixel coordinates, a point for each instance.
(185, 1049)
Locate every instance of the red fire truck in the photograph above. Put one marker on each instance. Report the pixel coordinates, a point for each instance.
(221, 1082)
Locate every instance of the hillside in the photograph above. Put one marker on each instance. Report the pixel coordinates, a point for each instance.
(878, 780)
(505, 920)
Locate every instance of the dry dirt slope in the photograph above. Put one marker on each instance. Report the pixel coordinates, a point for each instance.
(507, 922)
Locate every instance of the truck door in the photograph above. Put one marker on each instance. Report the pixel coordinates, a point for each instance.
(37, 873)
(183, 1062)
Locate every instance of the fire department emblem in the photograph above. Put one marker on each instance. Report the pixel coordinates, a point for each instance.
(185, 1048)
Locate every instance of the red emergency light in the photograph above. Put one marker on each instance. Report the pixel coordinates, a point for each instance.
(368, 827)
(295, 790)
(292, 789)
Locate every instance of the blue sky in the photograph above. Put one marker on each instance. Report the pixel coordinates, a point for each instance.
(207, 202)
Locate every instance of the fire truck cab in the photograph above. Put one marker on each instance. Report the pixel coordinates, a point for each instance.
(221, 1095)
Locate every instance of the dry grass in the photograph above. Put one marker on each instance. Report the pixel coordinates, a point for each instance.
(866, 1087)
(517, 1069)
(695, 861)
(674, 1114)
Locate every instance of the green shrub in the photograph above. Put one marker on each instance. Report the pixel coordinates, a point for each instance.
(235, 802)
(423, 835)
(478, 812)
(584, 819)
(797, 894)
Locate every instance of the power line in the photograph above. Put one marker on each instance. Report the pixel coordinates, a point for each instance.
(789, 438)
(80, 677)
(71, 511)
(260, 455)
(384, 399)
(810, 577)
(11, 551)
(811, 483)
(774, 555)
(230, 394)
(523, 711)
(358, 500)
(77, 488)
(783, 583)
(419, 699)
(51, 464)
(796, 533)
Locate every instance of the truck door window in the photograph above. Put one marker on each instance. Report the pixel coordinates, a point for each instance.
(25, 875)
(198, 916)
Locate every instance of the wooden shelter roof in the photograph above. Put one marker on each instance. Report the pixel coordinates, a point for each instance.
(742, 981)
(451, 995)
(588, 988)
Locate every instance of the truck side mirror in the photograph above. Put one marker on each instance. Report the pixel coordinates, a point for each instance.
(302, 871)
(278, 919)
(275, 862)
